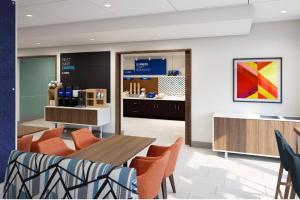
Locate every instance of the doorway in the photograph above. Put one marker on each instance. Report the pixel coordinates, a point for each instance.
(34, 75)
(187, 83)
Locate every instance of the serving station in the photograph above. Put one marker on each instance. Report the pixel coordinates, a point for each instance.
(252, 134)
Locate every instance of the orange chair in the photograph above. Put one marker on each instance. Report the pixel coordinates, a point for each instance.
(54, 146)
(24, 143)
(150, 172)
(83, 138)
(155, 151)
(53, 133)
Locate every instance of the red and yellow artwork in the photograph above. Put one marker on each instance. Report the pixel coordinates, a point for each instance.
(258, 80)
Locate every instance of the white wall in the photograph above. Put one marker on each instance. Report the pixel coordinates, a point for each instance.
(212, 69)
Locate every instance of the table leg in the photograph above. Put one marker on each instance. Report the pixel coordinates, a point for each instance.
(101, 132)
(225, 155)
(55, 125)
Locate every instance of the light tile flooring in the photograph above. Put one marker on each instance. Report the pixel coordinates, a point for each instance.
(201, 173)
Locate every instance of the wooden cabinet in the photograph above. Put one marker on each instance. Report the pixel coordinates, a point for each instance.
(289, 132)
(74, 116)
(157, 109)
(251, 136)
(267, 141)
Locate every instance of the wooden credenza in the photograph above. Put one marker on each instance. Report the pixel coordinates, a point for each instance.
(92, 117)
(251, 136)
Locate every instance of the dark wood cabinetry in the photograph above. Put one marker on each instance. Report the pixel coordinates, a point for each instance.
(156, 109)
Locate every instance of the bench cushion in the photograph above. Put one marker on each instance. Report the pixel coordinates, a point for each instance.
(35, 175)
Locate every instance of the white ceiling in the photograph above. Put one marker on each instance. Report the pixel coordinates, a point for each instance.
(47, 12)
(74, 22)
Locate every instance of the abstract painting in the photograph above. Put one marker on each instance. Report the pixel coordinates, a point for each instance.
(258, 80)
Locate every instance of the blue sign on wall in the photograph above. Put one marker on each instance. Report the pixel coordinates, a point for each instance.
(128, 72)
(151, 67)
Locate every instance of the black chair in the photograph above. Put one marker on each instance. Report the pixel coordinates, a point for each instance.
(294, 162)
(284, 164)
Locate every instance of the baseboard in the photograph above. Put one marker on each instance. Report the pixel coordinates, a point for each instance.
(202, 144)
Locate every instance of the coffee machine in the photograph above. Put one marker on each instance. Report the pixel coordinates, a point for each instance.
(66, 98)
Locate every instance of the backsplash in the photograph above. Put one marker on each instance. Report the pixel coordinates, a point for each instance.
(171, 85)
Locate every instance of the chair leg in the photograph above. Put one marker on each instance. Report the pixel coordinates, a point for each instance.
(279, 181)
(288, 186)
(164, 188)
(171, 177)
(157, 197)
(293, 194)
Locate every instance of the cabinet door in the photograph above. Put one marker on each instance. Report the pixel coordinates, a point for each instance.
(289, 133)
(131, 107)
(267, 141)
(7, 82)
(181, 110)
(237, 131)
(221, 133)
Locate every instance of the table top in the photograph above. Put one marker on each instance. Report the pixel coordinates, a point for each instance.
(28, 130)
(115, 150)
(297, 130)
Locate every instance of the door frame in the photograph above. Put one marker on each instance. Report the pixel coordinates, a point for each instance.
(18, 66)
(188, 89)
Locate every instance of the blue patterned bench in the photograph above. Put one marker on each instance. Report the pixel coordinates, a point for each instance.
(34, 175)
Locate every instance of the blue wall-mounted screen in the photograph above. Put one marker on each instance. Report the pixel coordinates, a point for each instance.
(151, 67)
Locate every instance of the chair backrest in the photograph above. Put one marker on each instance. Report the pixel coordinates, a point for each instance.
(53, 133)
(56, 132)
(173, 157)
(83, 138)
(282, 146)
(294, 164)
(54, 146)
(24, 143)
(34, 175)
(150, 181)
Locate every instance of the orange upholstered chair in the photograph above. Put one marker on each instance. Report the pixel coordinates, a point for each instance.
(24, 143)
(150, 172)
(53, 133)
(155, 150)
(54, 146)
(83, 138)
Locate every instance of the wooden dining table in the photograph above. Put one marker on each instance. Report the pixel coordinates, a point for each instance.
(23, 130)
(116, 150)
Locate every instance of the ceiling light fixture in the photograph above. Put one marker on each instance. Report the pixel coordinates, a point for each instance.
(37, 43)
(28, 15)
(92, 39)
(283, 11)
(107, 5)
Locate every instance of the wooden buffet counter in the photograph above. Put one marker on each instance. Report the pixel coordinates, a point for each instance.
(251, 134)
(86, 116)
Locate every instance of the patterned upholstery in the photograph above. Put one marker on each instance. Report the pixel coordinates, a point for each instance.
(34, 175)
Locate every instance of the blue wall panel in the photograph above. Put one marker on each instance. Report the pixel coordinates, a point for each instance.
(7, 82)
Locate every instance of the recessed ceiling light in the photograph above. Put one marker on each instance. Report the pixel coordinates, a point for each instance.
(107, 5)
(92, 39)
(37, 43)
(283, 11)
(28, 15)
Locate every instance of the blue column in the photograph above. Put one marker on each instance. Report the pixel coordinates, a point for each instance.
(7, 82)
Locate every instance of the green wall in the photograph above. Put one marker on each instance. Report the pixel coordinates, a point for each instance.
(35, 74)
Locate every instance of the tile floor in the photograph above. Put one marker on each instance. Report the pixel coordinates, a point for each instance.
(201, 173)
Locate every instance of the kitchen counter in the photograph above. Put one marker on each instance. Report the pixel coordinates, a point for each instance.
(166, 98)
(255, 116)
